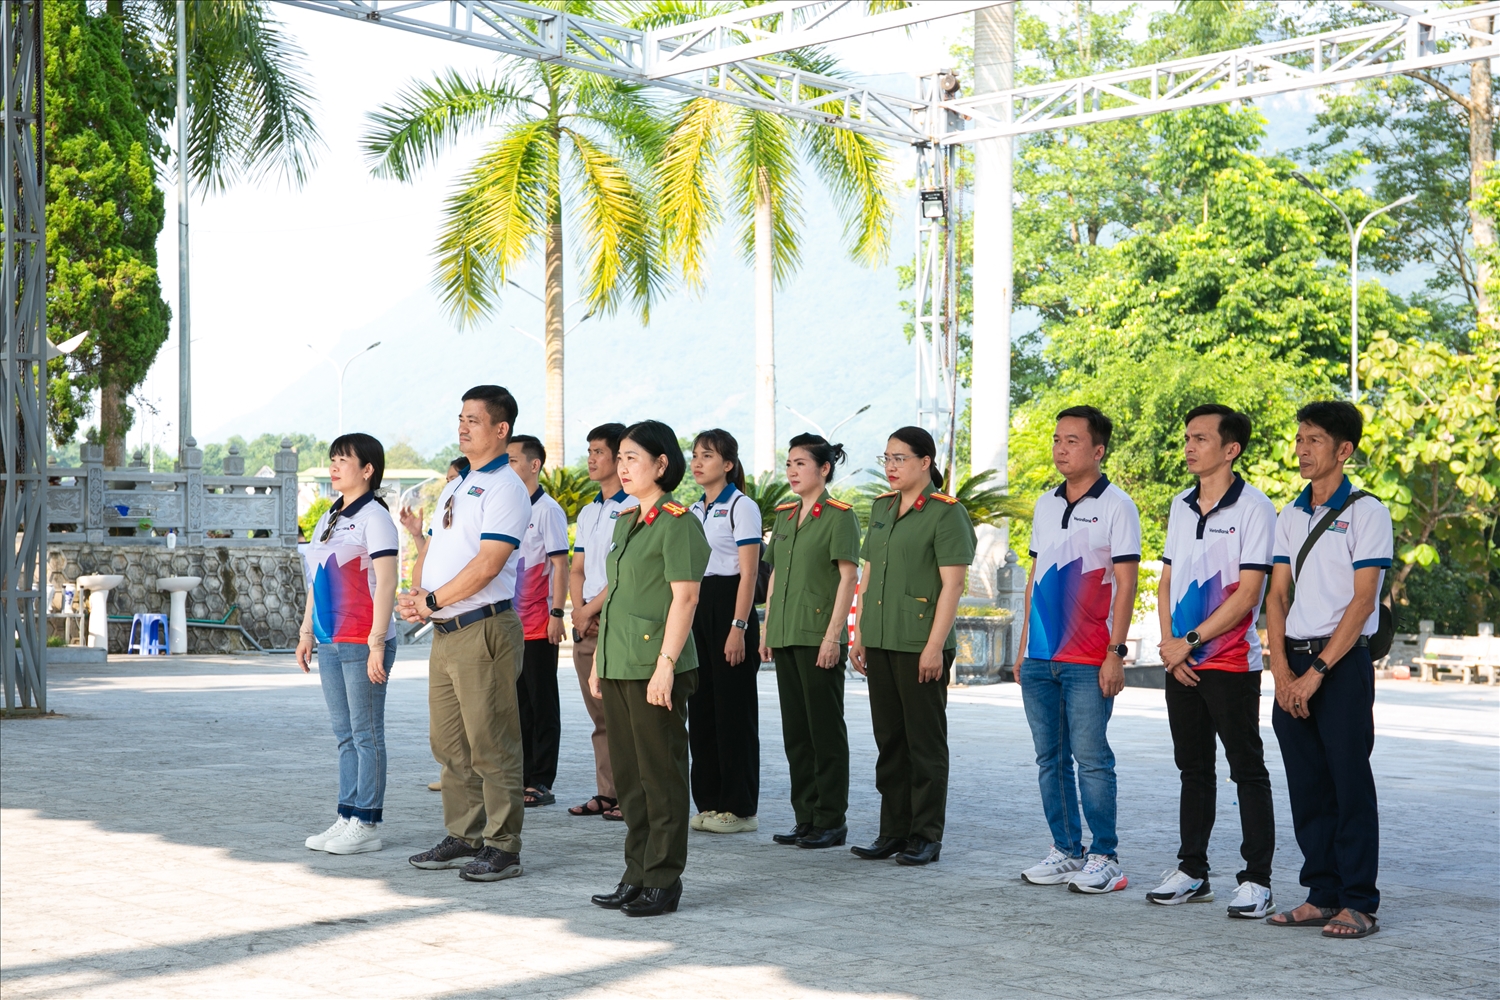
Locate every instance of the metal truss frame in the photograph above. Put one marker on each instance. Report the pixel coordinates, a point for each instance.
(23, 424)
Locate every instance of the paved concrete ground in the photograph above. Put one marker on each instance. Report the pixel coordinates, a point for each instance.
(152, 845)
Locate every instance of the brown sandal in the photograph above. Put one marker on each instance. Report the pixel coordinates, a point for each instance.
(1363, 925)
(1325, 913)
(596, 806)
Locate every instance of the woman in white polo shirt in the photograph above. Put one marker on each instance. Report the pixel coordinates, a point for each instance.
(723, 714)
(352, 557)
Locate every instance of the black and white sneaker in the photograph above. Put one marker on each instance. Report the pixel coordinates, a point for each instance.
(1252, 901)
(450, 853)
(1179, 887)
(491, 865)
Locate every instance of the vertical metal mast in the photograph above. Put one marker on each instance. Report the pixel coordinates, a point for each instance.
(23, 425)
(935, 279)
(184, 320)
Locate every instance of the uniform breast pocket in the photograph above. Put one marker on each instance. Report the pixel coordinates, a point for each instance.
(644, 643)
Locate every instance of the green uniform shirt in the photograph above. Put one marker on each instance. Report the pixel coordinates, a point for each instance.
(650, 552)
(805, 558)
(904, 554)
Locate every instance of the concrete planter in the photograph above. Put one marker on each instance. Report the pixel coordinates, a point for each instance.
(984, 653)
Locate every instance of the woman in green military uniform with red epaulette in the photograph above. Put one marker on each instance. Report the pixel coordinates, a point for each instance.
(916, 552)
(813, 555)
(646, 667)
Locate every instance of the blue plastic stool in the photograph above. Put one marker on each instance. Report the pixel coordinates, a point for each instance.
(144, 631)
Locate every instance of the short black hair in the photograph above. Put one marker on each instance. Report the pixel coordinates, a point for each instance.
(1233, 425)
(460, 463)
(365, 450)
(531, 447)
(1339, 417)
(610, 434)
(658, 439)
(1101, 428)
(498, 400)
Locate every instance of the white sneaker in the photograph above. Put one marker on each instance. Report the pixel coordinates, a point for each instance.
(1179, 887)
(357, 838)
(1252, 901)
(317, 841)
(1054, 869)
(725, 822)
(1099, 874)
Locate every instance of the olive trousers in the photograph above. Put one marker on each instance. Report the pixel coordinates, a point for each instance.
(813, 731)
(648, 748)
(474, 726)
(910, 720)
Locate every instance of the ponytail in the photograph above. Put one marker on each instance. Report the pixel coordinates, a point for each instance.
(920, 442)
(821, 451)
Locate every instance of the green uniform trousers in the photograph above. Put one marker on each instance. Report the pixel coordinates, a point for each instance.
(813, 731)
(911, 734)
(648, 750)
(474, 726)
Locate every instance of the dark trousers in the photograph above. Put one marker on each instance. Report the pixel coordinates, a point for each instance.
(813, 731)
(1225, 704)
(1328, 779)
(648, 748)
(541, 721)
(724, 714)
(910, 720)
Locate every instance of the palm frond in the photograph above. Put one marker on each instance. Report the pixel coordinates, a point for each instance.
(611, 216)
(986, 504)
(493, 218)
(856, 169)
(686, 176)
(571, 488)
(768, 490)
(765, 146)
(428, 117)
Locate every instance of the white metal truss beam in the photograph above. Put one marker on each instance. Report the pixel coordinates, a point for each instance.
(1410, 42)
(779, 27)
(531, 32)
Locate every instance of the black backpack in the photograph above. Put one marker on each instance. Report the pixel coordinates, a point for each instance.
(1380, 642)
(762, 570)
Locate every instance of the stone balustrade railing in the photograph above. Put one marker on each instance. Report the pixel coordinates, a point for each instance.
(132, 506)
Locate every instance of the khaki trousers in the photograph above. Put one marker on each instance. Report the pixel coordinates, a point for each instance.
(583, 662)
(475, 728)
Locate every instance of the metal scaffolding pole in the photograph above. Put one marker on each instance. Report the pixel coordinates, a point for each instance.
(184, 316)
(23, 425)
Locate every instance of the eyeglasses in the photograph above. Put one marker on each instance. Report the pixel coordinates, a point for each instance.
(897, 460)
(448, 511)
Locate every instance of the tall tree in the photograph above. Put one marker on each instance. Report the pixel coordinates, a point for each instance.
(561, 137)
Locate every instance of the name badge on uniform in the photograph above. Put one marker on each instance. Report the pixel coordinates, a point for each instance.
(476, 491)
(1341, 527)
(778, 537)
(878, 524)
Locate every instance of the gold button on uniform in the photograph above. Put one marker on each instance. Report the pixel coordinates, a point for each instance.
(646, 637)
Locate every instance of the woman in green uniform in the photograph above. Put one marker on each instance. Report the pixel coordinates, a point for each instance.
(813, 555)
(646, 668)
(918, 547)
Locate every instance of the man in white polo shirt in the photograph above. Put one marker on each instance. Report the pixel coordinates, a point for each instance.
(1215, 564)
(467, 585)
(592, 536)
(1325, 681)
(1086, 556)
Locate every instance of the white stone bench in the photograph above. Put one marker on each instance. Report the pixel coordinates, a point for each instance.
(1468, 656)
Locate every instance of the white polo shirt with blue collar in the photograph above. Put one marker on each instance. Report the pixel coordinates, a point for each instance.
(731, 520)
(592, 535)
(488, 504)
(1360, 538)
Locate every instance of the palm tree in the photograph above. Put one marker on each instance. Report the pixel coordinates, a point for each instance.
(562, 136)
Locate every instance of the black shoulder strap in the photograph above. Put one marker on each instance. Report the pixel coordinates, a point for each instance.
(1321, 528)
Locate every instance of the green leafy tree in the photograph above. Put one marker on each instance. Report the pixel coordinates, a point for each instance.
(258, 453)
(104, 214)
(768, 490)
(571, 488)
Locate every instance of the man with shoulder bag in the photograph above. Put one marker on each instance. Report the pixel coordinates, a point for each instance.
(1334, 545)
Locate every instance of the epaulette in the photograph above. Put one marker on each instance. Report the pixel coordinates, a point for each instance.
(674, 508)
(889, 494)
(839, 504)
(943, 497)
(788, 505)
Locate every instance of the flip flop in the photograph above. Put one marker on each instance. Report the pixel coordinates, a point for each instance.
(595, 806)
(1363, 925)
(541, 795)
(1325, 913)
(614, 815)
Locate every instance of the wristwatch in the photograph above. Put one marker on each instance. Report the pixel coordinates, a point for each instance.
(1320, 666)
(1193, 638)
(557, 612)
(1119, 649)
(740, 624)
(432, 604)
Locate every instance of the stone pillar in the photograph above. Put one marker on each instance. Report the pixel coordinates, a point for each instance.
(191, 463)
(285, 467)
(234, 462)
(1010, 594)
(92, 458)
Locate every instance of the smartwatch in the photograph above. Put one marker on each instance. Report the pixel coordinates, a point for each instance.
(1193, 638)
(557, 612)
(1119, 649)
(1320, 666)
(432, 604)
(740, 624)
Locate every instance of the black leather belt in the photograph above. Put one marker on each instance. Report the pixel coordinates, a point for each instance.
(470, 617)
(1316, 646)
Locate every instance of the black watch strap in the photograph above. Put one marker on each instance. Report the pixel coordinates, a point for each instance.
(557, 612)
(432, 604)
(1320, 666)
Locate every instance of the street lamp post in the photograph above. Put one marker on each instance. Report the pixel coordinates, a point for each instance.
(341, 372)
(1355, 234)
(819, 427)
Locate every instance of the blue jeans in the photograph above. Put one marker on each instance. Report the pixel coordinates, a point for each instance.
(357, 709)
(1068, 716)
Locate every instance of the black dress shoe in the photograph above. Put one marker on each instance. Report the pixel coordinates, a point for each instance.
(920, 852)
(654, 902)
(795, 834)
(614, 900)
(824, 838)
(884, 847)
